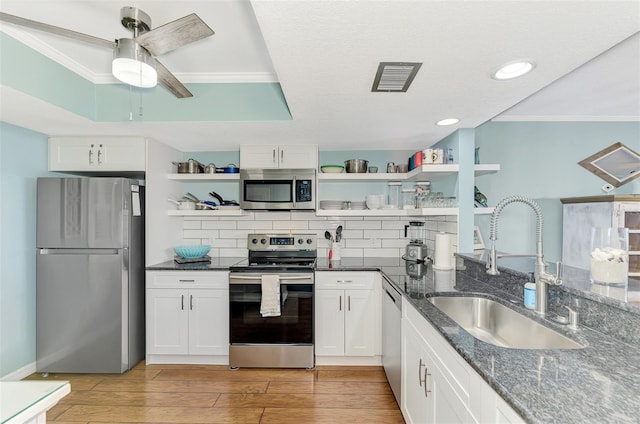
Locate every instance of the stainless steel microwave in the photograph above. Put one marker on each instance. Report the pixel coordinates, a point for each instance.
(278, 189)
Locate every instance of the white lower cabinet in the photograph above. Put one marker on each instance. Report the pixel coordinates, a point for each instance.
(438, 386)
(187, 317)
(347, 313)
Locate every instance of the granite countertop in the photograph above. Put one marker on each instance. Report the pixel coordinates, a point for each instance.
(599, 383)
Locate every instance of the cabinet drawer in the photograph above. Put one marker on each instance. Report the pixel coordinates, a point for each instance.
(347, 280)
(456, 371)
(188, 279)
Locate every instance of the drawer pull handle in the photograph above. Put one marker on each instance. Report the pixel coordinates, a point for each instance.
(344, 281)
(187, 281)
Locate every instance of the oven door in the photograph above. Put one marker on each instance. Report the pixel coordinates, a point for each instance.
(293, 326)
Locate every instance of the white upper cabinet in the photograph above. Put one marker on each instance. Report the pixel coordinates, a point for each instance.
(97, 154)
(278, 156)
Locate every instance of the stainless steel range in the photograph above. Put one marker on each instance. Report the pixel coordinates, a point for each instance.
(271, 303)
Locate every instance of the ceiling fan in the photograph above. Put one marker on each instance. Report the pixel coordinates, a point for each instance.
(134, 59)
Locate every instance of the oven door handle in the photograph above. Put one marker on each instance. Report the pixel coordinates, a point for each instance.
(241, 279)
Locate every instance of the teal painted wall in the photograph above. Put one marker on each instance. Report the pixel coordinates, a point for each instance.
(539, 160)
(28, 71)
(23, 158)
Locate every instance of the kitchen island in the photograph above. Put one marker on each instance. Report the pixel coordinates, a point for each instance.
(598, 383)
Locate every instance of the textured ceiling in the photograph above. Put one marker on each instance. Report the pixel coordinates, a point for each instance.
(325, 54)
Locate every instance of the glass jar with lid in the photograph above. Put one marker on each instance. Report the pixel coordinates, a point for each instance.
(423, 189)
(409, 198)
(393, 194)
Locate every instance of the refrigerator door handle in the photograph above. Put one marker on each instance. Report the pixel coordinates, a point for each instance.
(48, 251)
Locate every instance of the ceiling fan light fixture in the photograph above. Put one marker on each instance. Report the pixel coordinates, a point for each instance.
(133, 65)
(514, 69)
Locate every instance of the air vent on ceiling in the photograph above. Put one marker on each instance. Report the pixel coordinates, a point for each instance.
(395, 76)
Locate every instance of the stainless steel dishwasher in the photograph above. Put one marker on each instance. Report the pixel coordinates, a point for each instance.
(391, 317)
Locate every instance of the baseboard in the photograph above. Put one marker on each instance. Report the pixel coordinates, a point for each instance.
(21, 373)
(349, 360)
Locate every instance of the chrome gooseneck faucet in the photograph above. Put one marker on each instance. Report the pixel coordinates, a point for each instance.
(541, 276)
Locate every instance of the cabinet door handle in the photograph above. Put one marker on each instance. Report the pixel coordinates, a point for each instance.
(420, 365)
(182, 302)
(191, 302)
(281, 155)
(91, 156)
(100, 155)
(348, 303)
(426, 391)
(340, 303)
(273, 155)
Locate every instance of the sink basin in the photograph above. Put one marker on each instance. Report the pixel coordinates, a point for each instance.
(494, 323)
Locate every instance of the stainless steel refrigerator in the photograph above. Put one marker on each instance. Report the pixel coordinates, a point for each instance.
(90, 275)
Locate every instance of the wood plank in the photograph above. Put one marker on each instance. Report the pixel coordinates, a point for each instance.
(187, 386)
(138, 414)
(346, 387)
(85, 397)
(238, 375)
(330, 416)
(321, 400)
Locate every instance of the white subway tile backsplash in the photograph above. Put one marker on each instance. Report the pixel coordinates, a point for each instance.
(363, 243)
(291, 225)
(199, 234)
(273, 216)
(219, 225)
(381, 253)
(255, 226)
(368, 225)
(362, 236)
(191, 225)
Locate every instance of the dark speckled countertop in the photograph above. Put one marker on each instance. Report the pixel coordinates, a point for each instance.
(597, 384)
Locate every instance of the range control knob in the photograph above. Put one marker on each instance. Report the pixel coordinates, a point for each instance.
(254, 241)
(309, 241)
(300, 241)
(263, 241)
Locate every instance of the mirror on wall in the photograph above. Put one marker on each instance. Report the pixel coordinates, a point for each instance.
(617, 164)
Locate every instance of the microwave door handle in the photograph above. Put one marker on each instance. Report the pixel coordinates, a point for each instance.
(293, 188)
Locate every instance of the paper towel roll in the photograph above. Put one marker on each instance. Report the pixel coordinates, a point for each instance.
(442, 258)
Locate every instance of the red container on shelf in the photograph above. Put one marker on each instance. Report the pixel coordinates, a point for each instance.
(417, 159)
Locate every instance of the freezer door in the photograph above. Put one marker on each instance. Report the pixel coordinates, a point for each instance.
(83, 213)
(82, 311)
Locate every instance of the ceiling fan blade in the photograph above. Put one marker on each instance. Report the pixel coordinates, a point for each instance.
(5, 17)
(170, 82)
(175, 34)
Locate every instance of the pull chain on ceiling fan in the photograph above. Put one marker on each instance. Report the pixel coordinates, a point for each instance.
(134, 59)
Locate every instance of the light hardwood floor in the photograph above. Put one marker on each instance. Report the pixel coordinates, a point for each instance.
(215, 394)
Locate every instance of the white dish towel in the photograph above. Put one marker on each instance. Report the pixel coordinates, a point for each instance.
(270, 306)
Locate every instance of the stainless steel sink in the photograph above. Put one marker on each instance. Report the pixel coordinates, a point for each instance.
(494, 323)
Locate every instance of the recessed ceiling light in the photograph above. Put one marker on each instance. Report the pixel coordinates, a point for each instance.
(448, 121)
(513, 69)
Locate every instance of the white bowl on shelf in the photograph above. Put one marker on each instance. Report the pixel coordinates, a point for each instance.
(375, 201)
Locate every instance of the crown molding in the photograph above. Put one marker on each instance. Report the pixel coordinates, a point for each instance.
(107, 78)
(565, 118)
(47, 51)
